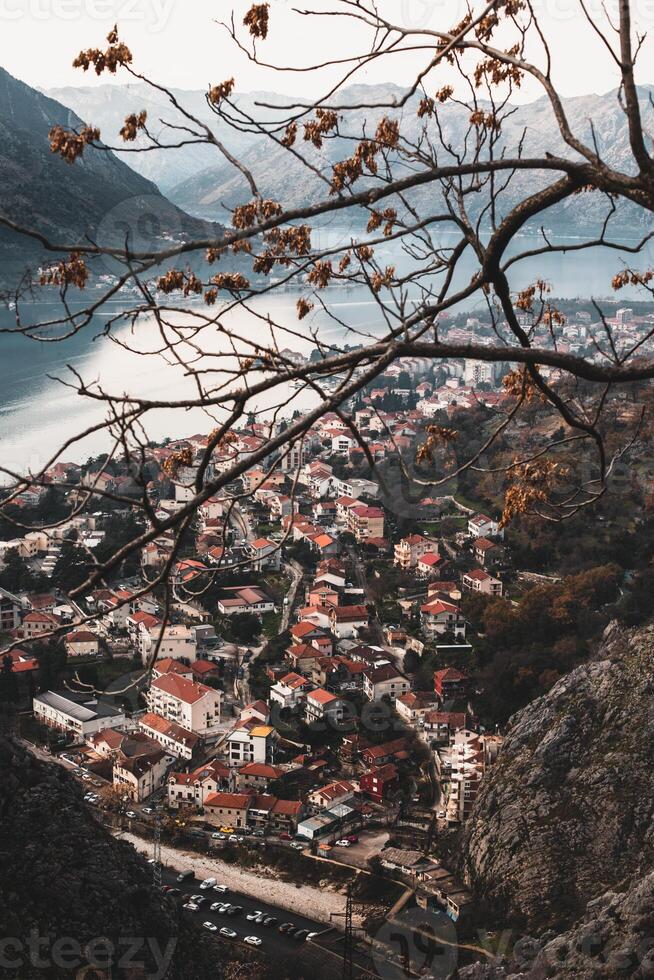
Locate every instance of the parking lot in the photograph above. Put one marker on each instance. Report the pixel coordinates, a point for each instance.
(272, 941)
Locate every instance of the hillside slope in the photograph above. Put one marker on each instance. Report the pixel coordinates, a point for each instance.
(63, 875)
(568, 811)
(98, 197)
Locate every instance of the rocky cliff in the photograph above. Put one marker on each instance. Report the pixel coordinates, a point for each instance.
(567, 813)
(72, 895)
(613, 940)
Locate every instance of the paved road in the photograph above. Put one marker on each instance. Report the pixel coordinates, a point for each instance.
(296, 572)
(273, 943)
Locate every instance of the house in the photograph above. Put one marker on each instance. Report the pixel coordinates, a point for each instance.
(175, 642)
(414, 705)
(184, 788)
(345, 621)
(258, 710)
(330, 573)
(141, 776)
(290, 690)
(257, 775)
(38, 623)
(227, 809)
(285, 815)
(177, 740)
(194, 706)
(321, 705)
(309, 633)
(81, 643)
(379, 755)
(428, 564)
(250, 741)
(450, 684)
(439, 617)
(302, 656)
(265, 554)
(10, 611)
(169, 666)
(488, 553)
(410, 549)
(245, 598)
(481, 581)
(380, 782)
(317, 615)
(79, 715)
(440, 726)
(333, 793)
(481, 526)
(384, 681)
(366, 522)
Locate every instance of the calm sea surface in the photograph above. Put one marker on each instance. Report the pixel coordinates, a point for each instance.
(37, 412)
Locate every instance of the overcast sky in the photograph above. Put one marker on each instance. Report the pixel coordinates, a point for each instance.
(179, 43)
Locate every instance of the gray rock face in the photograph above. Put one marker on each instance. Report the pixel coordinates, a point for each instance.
(567, 813)
(614, 939)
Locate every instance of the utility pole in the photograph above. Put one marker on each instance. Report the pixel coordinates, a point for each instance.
(156, 867)
(348, 949)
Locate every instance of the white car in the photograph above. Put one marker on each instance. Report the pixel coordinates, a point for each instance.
(342, 843)
(148, 809)
(252, 941)
(211, 926)
(190, 906)
(130, 814)
(297, 846)
(221, 889)
(228, 933)
(216, 906)
(251, 916)
(207, 883)
(218, 836)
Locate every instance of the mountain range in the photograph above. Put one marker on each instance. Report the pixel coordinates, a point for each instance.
(99, 197)
(198, 180)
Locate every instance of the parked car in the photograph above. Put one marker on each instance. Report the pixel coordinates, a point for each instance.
(252, 940)
(148, 809)
(218, 836)
(286, 927)
(301, 934)
(184, 875)
(207, 883)
(353, 838)
(221, 889)
(259, 833)
(297, 846)
(211, 926)
(226, 830)
(190, 906)
(342, 843)
(234, 910)
(285, 836)
(227, 933)
(270, 920)
(251, 916)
